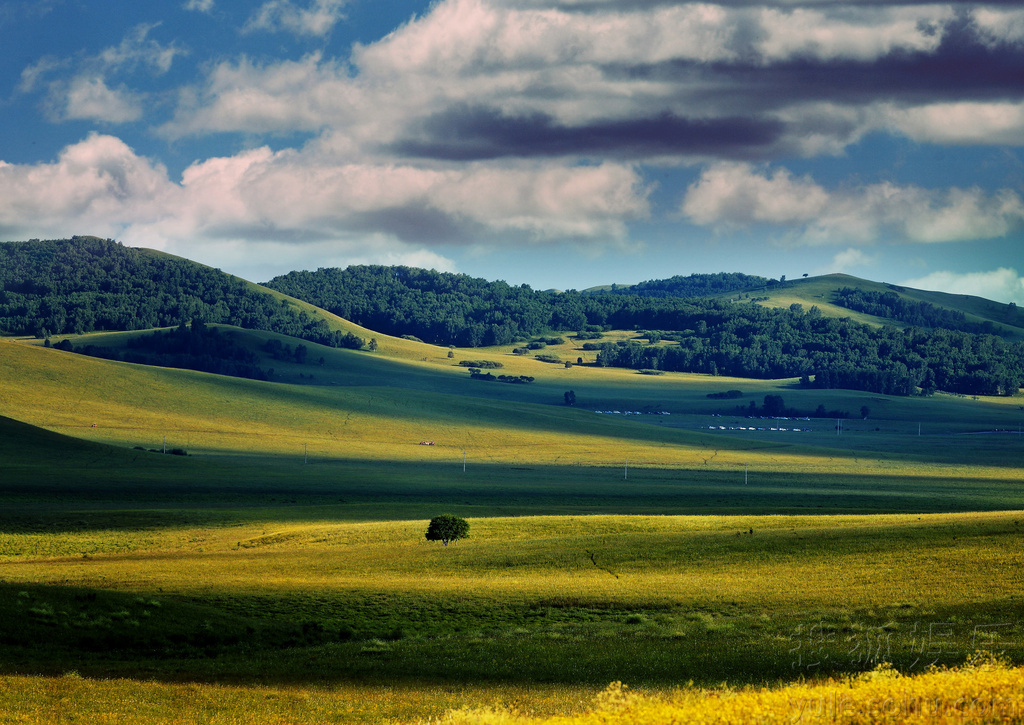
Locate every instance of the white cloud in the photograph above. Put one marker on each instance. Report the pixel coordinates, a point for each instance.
(858, 34)
(1002, 285)
(283, 15)
(259, 261)
(290, 193)
(479, 35)
(730, 195)
(1000, 25)
(850, 259)
(137, 48)
(303, 95)
(734, 195)
(87, 94)
(383, 212)
(202, 6)
(965, 123)
(89, 98)
(610, 64)
(32, 76)
(96, 186)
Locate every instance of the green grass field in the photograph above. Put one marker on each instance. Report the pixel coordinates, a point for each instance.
(279, 572)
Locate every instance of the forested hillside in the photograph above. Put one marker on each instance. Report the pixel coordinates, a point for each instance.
(694, 285)
(752, 341)
(85, 284)
(710, 335)
(456, 309)
(891, 305)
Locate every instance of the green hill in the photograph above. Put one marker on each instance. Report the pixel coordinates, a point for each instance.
(1005, 320)
(85, 284)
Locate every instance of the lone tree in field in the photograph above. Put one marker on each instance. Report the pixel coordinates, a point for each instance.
(446, 528)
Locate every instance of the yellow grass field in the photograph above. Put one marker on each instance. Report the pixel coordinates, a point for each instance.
(279, 572)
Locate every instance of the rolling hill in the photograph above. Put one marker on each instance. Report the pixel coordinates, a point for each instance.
(1006, 320)
(654, 532)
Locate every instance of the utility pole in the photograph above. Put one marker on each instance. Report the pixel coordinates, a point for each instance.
(463, 461)
(625, 470)
(745, 467)
(305, 457)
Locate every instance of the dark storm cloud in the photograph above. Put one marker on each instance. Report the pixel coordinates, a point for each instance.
(962, 68)
(472, 133)
(733, 110)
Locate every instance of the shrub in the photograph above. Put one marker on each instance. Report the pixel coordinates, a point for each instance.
(352, 342)
(726, 395)
(447, 528)
(480, 364)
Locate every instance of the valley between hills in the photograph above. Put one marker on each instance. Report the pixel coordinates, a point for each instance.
(215, 495)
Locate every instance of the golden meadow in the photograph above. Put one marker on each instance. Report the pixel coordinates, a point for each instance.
(279, 572)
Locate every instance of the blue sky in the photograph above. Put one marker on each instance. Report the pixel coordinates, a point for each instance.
(557, 143)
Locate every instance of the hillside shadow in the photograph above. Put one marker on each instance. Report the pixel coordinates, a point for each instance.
(100, 498)
(95, 633)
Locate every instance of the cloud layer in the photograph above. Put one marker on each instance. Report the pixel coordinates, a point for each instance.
(288, 197)
(476, 79)
(741, 195)
(485, 122)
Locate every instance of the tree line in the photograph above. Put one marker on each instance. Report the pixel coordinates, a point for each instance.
(753, 341)
(455, 309)
(87, 284)
(711, 336)
(188, 347)
(892, 306)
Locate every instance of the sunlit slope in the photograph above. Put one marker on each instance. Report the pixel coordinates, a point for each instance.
(135, 405)
(832, 562)
(132, 405)
(819, 291)
(406, 364)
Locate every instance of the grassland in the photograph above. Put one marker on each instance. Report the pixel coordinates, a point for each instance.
(279, 572)
(525, 608)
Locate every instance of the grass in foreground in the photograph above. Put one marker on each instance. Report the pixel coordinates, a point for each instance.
(577, 601)
(983, 691)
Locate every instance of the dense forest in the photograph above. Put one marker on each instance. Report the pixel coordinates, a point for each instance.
(85, 284)
(190, 347)
(695, 285)
(753, 341)
(456, 309)
(694, 335)
(910, 312)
